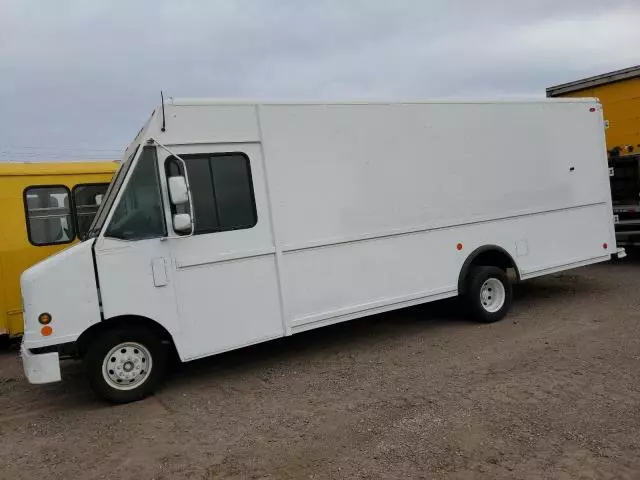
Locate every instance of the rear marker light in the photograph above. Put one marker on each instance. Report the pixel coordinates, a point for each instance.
(44, 318)
(605, 246)
(459, 246)
(592, 109)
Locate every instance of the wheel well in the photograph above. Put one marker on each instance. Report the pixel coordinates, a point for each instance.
(88, 335)
(487, 256)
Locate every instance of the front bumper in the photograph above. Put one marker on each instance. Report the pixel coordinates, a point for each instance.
(40, 368)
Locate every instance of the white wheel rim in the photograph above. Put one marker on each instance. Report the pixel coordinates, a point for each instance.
(127, 366)
(492, 295)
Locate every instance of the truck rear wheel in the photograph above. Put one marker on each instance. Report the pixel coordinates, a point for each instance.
(125, 364)
(489, 294)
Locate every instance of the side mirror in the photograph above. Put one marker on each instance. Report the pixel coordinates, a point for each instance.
(182, 221)
(178, 191)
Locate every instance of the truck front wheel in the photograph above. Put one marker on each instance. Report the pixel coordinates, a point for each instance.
(489, 294)
(125, 364)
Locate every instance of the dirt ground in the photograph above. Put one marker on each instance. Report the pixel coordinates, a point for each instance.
(553, 391)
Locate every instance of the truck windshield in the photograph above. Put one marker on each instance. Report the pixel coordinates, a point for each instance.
(139, 214)
(110, 196)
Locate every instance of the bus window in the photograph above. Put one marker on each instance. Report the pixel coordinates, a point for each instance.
(48, 213)
(86, 200)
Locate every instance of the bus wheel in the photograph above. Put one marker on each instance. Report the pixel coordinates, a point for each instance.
(125, 364)
(489, 294)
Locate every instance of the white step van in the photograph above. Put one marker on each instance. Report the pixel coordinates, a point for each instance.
(232, 223)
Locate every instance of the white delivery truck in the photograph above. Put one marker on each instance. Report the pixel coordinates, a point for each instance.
(232, 223)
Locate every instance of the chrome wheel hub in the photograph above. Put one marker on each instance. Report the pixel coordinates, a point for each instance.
(127, 366)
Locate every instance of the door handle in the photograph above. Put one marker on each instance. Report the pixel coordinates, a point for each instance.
(159, 270)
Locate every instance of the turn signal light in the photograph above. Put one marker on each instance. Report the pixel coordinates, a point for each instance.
(45, 318)
(46, 331)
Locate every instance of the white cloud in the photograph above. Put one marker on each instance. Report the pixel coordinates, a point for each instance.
(600, 40)
(86, 74)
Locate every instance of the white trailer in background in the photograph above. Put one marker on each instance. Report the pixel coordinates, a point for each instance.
(232, 223)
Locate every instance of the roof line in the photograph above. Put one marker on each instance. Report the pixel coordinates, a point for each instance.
(229, 102)
(590, 82)
(57, 168)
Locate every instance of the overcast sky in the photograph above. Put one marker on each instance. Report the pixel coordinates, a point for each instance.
(78, 78)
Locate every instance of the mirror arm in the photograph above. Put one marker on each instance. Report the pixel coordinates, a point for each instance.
(152, 141)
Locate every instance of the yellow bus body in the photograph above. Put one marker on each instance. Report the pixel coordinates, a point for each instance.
(621, 106)
(19, 247)
(619, 94)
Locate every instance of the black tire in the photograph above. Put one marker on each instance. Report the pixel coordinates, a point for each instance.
(99, 350)
(482, 309)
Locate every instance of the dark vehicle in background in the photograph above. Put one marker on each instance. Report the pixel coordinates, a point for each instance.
(624, 171)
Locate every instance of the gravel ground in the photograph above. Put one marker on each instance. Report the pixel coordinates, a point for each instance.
(550, 392)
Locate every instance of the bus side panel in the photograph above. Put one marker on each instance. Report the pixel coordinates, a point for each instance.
(4, 327)
(12, 232)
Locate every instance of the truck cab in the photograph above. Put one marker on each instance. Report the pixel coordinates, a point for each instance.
(117, 299)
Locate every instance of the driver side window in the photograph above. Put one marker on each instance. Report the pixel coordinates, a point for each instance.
(139, 213)
(221, 189)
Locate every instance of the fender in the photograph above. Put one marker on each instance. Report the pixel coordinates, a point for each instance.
(503, 260)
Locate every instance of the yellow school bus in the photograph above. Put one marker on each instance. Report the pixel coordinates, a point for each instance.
(44, 207)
